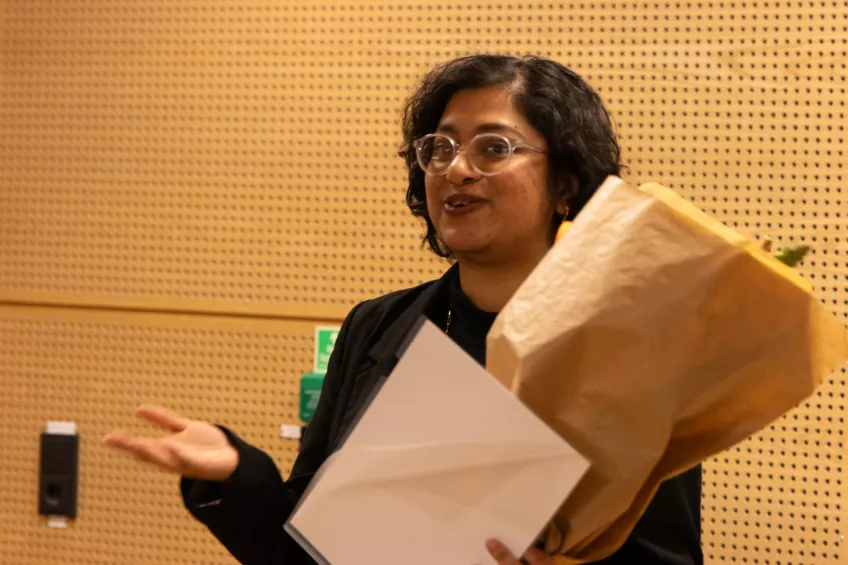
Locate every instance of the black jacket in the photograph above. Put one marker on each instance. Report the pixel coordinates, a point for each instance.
(247, 512)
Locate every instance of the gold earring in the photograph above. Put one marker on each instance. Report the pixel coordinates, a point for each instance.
(563, 227)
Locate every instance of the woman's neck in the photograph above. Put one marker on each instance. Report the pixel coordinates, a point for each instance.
(489, 286)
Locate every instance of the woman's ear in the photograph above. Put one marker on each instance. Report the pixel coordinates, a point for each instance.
(567, 191)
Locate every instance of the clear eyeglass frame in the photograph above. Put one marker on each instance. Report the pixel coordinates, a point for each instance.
(499, 167)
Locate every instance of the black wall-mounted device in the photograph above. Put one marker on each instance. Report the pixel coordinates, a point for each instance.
(58, 473)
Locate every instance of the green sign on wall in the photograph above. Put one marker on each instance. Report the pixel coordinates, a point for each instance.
(310, 390)
(311, 383)
(325, 340)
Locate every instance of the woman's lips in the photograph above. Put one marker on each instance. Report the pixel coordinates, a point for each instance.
(462, 204)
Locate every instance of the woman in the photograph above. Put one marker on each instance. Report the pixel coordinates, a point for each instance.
(500, 150)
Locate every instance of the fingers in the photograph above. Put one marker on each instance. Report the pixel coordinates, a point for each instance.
(156, 452)
(500, 553)
(163, 417)
(505, 557)
(145, 449)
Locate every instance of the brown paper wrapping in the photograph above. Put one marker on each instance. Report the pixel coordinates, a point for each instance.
(652, 337)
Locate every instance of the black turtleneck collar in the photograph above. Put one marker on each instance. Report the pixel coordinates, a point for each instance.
(469, 325)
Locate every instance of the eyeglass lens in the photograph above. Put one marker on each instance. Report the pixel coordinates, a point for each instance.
(488, 153)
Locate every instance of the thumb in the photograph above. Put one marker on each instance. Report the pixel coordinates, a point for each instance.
(501, 553)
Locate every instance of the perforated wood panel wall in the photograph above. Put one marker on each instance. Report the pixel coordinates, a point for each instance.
(238, 158)
(95, 368)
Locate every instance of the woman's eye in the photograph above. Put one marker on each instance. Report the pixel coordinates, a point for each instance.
(442, 149)
(497, 149)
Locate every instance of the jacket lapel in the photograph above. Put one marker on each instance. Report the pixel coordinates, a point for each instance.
(398, 328)
(388, 340)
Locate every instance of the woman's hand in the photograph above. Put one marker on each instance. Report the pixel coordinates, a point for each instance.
(504, 557)
(193, 449)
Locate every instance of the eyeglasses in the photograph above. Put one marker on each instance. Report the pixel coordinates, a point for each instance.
(488, 153)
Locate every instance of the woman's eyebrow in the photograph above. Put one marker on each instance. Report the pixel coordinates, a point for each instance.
(496, 128)
(492, 127)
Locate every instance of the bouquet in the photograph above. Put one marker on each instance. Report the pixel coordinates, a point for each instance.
(652, 337)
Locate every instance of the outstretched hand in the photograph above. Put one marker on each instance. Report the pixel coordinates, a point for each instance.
(193, 448)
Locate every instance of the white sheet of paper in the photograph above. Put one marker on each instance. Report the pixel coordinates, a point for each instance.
(443, 459)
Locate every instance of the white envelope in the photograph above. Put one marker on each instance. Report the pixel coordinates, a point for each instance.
(444, 458)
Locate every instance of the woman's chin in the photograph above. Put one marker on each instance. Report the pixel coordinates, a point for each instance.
(466, 247)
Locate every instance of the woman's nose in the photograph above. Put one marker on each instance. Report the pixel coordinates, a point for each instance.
(460, 171)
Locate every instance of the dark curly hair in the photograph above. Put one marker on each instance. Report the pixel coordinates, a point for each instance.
(582, 146)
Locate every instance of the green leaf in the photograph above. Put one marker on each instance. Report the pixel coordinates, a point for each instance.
(793, 255)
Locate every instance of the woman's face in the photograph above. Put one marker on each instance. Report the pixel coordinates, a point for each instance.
(498, 218)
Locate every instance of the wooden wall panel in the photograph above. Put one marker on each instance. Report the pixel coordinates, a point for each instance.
(94, 368)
